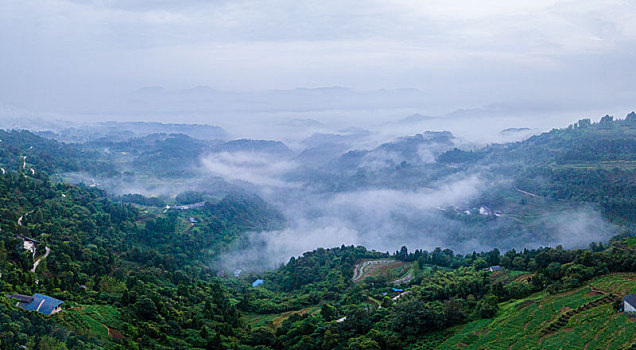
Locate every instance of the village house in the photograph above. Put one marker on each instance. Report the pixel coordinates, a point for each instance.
(629, 305)
(257, 283)
(38, 302)
(29, 243)
(493, 268)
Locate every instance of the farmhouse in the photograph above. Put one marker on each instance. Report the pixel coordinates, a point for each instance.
(629, 304)
(257, 283)
(29, 243)
(38, 302)
(494, 268)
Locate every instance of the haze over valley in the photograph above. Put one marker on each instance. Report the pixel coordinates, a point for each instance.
(317, 175)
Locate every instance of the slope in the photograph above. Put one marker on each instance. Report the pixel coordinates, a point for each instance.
(583, 318)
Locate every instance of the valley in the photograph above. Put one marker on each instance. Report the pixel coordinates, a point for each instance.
(241, 244)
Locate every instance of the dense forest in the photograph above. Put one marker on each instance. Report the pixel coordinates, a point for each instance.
(135, 272)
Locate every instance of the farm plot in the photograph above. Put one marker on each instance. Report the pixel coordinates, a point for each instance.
(578, 319)
(392, 269)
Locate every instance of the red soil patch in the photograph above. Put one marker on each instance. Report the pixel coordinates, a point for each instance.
(115, 334)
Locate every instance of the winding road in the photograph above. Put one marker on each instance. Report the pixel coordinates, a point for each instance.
(47, 250)
(406, 279)
(37, 262)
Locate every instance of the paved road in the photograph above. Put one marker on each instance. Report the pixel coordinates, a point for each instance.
(405, 279)
(37, 262)
(400, 295)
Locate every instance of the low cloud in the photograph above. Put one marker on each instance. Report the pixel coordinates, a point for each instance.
(380, 219)
(578, 227)
(257, 168)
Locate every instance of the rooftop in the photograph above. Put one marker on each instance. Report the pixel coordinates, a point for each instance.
(43, 304)
(630, 299)
(257, 283)
(21, 297)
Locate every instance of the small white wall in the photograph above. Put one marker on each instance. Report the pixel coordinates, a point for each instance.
(628, 307)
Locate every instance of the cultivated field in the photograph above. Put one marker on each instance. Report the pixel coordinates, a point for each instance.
(578, 319)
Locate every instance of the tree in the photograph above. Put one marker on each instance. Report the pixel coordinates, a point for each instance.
(328, 312)
(480, 263)
(487, 307)
(146, 309)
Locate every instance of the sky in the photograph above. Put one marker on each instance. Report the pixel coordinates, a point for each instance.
(85, 57)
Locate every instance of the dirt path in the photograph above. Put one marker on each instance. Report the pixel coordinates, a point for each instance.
(527, 193)
(23, 216)
(37, 262)
(405, 279)
(400, 295)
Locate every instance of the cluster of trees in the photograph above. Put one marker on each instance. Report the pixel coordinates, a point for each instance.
(152, 269)
(142, 200)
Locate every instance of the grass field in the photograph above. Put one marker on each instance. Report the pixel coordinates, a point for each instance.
(93, 320)
(275, 320)
(521, 324)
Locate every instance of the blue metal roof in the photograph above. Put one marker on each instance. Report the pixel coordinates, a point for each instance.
(257, 283)
(397, 289)
(41, 303)
(630, 299)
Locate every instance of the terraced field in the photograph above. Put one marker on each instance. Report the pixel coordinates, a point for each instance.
(580, 319)
(399, 272)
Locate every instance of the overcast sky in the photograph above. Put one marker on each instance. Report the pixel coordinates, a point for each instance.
(467, 53)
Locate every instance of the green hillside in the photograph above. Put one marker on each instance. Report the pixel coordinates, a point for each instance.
(577, 319)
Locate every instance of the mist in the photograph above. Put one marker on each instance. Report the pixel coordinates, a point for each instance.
(384, 218)
(359, 99)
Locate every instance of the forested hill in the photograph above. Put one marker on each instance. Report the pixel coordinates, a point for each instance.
(42, 155)
(128, 279)
(38, 157)
(135, 272)
(585, 162)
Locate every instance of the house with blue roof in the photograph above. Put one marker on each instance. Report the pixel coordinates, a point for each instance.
(257, 283)
(494, 268)
(629, 305)
(43, 304)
